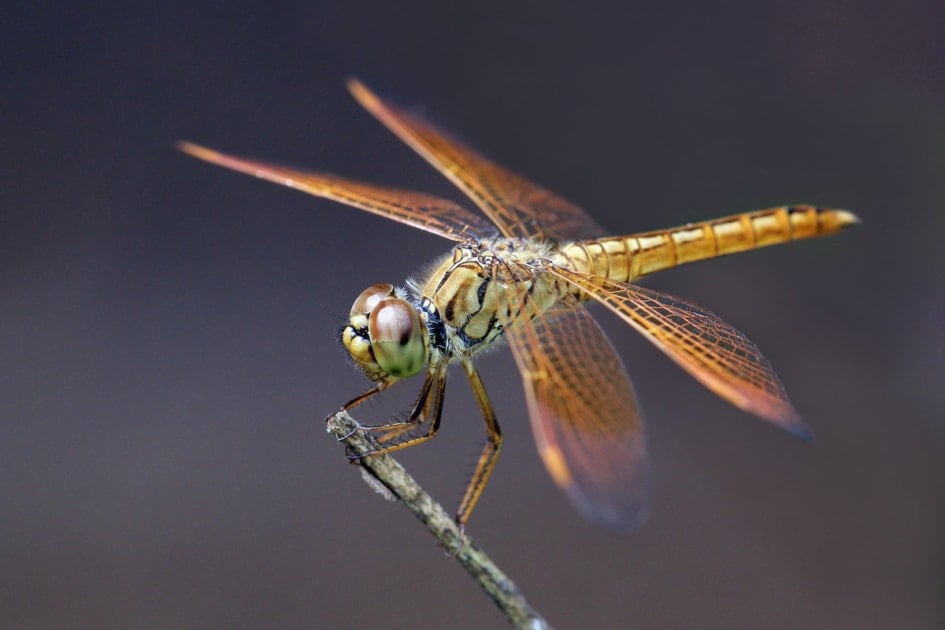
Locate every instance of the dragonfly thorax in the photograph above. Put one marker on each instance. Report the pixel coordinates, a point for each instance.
(385, 335)
(470, 295)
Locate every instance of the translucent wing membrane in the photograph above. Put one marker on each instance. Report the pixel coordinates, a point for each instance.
(517, 206)
(584, 415)
(583, 410)
(439, 216)
(715, 353)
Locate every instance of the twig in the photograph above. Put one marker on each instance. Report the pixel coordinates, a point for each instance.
(386, 470)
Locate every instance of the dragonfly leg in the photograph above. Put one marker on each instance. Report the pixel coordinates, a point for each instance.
(403, 425)
(427, 414)
(360, 398)
(354, 402)
(490, 452)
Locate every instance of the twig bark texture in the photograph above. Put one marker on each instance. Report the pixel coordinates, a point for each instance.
(386, 470)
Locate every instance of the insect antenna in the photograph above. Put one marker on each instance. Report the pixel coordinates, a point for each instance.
(325, 309)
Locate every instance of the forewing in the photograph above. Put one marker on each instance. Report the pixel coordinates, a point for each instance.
(715, 353)
(584, 415)
(517, 206)
(439, 216)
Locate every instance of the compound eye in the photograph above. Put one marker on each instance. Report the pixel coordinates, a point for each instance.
(367, 301)
(398, 337)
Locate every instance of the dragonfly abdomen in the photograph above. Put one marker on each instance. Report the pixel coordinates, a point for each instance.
(625, 258)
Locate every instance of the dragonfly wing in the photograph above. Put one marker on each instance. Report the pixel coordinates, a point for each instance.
(584, 415)
(517, 206)
(439, 216)
(715, 353)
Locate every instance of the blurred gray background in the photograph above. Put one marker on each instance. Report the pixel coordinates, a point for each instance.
(168, 328)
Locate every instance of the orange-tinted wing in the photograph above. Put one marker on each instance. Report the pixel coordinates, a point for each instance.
(717, 355)
(584, 415)
(438, 216)
(517, 206)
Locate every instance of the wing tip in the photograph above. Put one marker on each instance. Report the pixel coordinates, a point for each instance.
(191, 148)
(785, 417)
(617, 522)
(362, 94)
(776, 410)
(196, 150)
(801, 430)
(620, 507)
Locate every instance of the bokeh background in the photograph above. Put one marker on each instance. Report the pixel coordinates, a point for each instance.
(168, 328)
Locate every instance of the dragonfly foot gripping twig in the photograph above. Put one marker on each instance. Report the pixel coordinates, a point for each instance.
(389, 473)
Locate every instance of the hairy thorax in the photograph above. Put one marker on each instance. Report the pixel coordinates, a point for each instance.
(478, 288)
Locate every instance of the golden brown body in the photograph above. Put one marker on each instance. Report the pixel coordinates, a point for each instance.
(469, 297)
(522, 275)
(626, 258)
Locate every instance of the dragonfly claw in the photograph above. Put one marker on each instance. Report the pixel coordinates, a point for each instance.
(349, 433)
(355, 458)
(461, 540)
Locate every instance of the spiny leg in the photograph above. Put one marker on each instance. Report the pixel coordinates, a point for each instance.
(357, 400)
(377, 389)
(360, 398)
(428, 411)
(490, 452)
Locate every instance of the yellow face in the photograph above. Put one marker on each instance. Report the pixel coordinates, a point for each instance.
(385, 335)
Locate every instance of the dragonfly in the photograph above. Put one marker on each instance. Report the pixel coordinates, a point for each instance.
(523, 271)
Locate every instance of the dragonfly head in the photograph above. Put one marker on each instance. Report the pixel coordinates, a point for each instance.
(385, 335)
